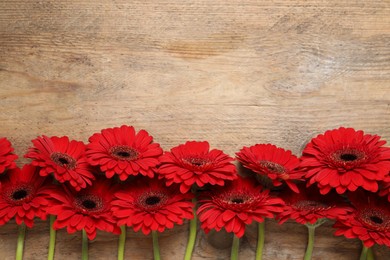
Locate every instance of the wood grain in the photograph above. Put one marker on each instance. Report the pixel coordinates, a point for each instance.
(234, 73)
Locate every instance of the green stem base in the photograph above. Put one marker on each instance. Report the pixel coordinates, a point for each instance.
(121, 244)
(84, 246)
(235, 247)
(363, 254)
(192, 234)
(156, 248)
(52, 243)
(310, 242)
(370, 254)
(20, 245)
(260, 240)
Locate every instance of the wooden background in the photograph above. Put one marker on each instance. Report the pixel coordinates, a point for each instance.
(234, 73)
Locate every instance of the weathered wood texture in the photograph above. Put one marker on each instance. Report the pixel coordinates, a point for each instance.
(234, 73)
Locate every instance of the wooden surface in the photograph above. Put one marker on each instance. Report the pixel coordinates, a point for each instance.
(234, 73)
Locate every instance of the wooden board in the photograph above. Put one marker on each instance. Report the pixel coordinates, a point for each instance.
(234, 73)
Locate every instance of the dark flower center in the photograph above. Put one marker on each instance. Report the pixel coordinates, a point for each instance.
(123, 152)
(237, 200)
(63, 160)
(311, 205)
(273, 167)
(19, 194)
(152, 200)
(89, 203)
(375, 218)
(348, 157)
(195, 161)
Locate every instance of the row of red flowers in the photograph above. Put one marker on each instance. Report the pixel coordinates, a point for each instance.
(122, 177)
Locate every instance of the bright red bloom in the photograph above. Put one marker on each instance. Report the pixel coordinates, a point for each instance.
(151, 206)
(24, 195)
(194, 163)
(345, 159)
(121, 151)
(273, 162)
(370, 222)
(63, 158)
(7, 158)
(88, 209)
(236, 205)
(309, 206)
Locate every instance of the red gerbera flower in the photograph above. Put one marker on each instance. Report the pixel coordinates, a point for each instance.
(24, 195)
(384, 189)
(7, 158)
(273, 162)
(121, 151)
(88, 209)
(346, 159)
(63, 158)
(309, 206)
(193, 163)
(370, 222)
(236, 205)
(150, 206)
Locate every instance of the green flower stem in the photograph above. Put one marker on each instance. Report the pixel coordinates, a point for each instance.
(121, 245)
(84, 247)
(370, 254)
(20, 245)
(192, 234)
(235, 246)
(310, 242)
(156, 248)
(52, 243)
(260, 240)
(363, 254)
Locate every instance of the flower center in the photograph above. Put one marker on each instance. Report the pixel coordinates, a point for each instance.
(237, 200)
(89, 203)
(123, 152)
(348, 158)
(196, 162)
(375, 218)
(311, 205)
(273, 167)
(152, 200)
(63, 160)
(19, 194)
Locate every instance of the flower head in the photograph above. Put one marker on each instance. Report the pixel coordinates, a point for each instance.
(275, 163)
(151, 206)
(88, 209)
(122, 151)
(7, 158)
(236, 205)
(63, 158)
(309, 206)
(194, 163)
(24, 195)
(370, 221)
(345, 159)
